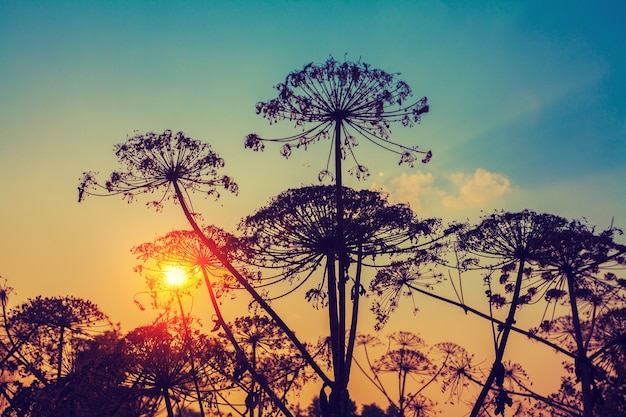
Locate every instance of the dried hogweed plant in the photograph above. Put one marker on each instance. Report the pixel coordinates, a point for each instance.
(343, 101)
(165, 161)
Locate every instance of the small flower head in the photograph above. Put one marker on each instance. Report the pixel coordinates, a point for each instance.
(401, 279)
(163, 161)
(349, 97)
(186, 250)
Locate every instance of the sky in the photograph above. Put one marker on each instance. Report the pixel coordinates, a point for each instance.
(527, 110)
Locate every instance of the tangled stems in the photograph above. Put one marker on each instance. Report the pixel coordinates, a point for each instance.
(178, 165)
(511, 238)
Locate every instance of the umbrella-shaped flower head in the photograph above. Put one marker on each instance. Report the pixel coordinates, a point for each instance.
(296, 231)
(343, 101)
(184, 249)
(164, 161)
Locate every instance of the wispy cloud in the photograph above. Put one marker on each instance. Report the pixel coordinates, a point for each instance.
(454, 194)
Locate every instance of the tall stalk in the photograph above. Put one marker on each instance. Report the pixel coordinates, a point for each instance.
(246, 285)
(262, 381)
(190, 351)
(497, 369)
(583, 366)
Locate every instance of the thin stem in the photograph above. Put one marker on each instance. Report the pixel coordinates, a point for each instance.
(466, 308)
(240, 353)
(244, 283)
(508, 324)
(190, 351)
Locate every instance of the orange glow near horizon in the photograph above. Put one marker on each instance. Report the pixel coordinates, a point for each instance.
(175, 276)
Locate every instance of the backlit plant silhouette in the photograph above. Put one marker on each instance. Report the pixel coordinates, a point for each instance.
(511, 242)
(272, 355)
(186, 250)
(343, 102)
(40, 343)
(173, 163)
(176, 166)
(160, 365)
(296, 232)
(413, 370)
(579, 273)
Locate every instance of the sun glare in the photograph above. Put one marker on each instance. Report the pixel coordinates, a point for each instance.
(175, 276)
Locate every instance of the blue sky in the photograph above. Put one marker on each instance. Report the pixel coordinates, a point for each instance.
(528, 105)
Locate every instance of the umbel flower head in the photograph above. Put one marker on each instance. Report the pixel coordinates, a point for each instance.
(165, 161)
(186, 250)
(297, 229)
(343, 101)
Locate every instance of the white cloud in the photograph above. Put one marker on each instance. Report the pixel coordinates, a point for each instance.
(454, 194)
(475, 191)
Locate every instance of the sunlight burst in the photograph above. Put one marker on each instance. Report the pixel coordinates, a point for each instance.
(175, 276)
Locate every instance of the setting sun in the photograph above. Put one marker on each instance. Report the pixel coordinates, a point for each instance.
(175, 276)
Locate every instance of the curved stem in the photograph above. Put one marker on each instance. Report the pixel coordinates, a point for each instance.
(246, 285)
(506, 331)
(190, 351)
(240, 353)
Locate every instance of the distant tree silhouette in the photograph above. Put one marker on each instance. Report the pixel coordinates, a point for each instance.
(342, 102)
(315, 409)
(372, 410)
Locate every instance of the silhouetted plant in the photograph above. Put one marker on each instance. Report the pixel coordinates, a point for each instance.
(159, 363)
(165, 161)
(52, 330)
(343, 102)
(414, 366)
(402, 279)
(42, 340)
(609, 358)
(186, 250)
(510, 242)
(272, 356)
(177, 166)
(578, 272)
(297, 232)
(96, 387)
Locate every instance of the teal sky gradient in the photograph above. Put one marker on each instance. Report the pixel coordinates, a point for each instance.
(528, 110)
